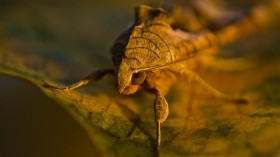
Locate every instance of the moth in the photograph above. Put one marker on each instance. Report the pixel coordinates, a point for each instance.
(152, 54)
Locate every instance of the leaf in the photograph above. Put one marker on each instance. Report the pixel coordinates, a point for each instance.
(198, 124)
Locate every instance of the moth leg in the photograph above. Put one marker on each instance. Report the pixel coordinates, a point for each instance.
(212, 90)
(94, 76)
(161, 113)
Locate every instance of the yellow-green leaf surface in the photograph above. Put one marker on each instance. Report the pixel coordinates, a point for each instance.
(58, 42)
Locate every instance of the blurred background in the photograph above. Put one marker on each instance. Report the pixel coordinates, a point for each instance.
(71, 38)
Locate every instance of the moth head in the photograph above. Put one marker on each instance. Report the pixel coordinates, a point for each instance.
(128, 80)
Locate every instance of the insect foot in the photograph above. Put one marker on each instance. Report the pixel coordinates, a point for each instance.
(161, 109)
(161, 113)
(92, 77)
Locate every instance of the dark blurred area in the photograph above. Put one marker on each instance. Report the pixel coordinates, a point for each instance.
(77, 34)
(32, 125)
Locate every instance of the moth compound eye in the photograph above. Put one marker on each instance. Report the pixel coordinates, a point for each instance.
(138, 78)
